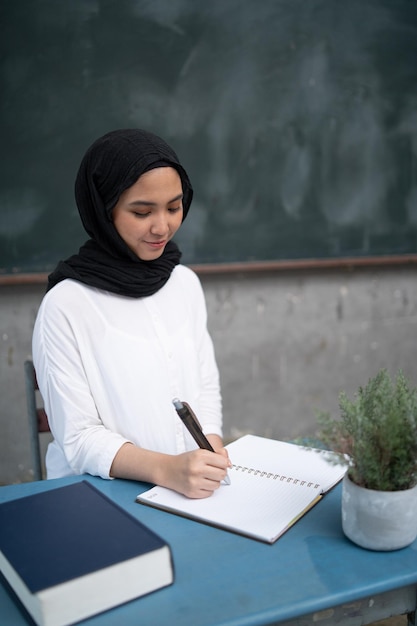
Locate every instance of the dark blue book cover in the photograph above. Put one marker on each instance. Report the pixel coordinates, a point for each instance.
(76, 533)
(64, 533)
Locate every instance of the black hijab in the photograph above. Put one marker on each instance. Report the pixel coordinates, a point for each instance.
(111, 165)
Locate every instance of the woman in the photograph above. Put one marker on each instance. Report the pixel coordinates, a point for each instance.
(122, 329)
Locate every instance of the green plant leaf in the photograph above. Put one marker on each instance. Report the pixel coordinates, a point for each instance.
(378, 431)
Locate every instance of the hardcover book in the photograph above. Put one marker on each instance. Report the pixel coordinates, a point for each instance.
(70, 552)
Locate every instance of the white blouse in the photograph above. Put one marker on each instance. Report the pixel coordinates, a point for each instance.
(109, 366)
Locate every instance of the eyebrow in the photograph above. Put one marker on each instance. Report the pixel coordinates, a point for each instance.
(149, 203)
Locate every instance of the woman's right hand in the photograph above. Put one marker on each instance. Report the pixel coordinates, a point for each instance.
(196, 474)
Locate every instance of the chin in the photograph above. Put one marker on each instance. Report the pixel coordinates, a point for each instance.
(149, 255)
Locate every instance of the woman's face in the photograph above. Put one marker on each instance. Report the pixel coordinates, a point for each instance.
(149, 213)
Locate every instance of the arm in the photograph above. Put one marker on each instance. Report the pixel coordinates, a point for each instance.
(195, 474)
(92, 405)
(208, 406)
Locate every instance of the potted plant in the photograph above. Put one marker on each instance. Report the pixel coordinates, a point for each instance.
(377, 438)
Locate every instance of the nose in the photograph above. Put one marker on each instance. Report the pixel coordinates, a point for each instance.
(160, 225)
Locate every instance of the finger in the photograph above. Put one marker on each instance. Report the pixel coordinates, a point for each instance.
(225, 454)
(216, 474)
(217, 459)
(205, 488)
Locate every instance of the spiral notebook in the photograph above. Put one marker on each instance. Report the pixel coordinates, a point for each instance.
(273, 484)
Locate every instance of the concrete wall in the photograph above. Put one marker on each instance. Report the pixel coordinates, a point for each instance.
(287, 343)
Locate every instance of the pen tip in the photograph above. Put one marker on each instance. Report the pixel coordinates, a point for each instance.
(177, 403)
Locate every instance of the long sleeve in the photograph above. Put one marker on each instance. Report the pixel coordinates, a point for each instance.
(108, 367)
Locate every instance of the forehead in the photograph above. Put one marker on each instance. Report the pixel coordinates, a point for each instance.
(157, 186)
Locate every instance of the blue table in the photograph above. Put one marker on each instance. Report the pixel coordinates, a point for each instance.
(311, 574)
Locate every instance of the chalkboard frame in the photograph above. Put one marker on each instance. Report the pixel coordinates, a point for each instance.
(279, 103)
(216, 269)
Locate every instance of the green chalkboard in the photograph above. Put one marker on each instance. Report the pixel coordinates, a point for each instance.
(296, 119)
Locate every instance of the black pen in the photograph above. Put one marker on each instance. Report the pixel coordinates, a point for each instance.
(192, 424)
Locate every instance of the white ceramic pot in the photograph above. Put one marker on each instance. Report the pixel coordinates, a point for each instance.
(379, 520)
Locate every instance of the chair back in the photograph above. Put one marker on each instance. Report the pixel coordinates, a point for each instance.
(38, 420)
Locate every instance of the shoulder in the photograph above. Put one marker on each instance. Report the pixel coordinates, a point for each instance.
(185, 279)
(184, 274)
(66, 291)
(67, 297)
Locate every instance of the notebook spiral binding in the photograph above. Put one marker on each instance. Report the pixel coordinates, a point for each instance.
(272, 476)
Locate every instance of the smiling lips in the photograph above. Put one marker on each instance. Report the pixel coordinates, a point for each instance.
(156, 244)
